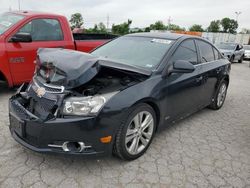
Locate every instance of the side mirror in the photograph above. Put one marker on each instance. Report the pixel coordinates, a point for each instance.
(21, 37)
(181, 66)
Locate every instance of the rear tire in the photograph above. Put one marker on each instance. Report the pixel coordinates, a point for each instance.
(231, 59)
(136, 133)
(241, 59)
(220, 96)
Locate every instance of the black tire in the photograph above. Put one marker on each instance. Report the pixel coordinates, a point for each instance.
(231, 59)
(241, 59)
(120, 147)
(215, 105)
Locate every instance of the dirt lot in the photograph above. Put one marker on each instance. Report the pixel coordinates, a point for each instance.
(208, 149)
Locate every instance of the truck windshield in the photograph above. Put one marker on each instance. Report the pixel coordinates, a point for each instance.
(7, 20)
(142, 52)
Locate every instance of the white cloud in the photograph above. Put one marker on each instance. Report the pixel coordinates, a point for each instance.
(184, 13)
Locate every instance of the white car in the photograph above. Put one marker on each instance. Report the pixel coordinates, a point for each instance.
(247, 52)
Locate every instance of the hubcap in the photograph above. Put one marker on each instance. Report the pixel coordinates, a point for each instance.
(221, 95)
(139, 132)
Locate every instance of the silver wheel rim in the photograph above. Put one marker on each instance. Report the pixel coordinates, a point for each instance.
(221, 95)
(139, 132)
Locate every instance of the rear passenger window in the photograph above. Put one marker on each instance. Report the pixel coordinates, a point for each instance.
(206, 50)
(43, 30)
(186, 51)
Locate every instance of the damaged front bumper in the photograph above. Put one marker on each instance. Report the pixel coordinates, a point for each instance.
(65, 135)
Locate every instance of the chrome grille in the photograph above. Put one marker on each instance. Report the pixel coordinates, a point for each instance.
(49, 88)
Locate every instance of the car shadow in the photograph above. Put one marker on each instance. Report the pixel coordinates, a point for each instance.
(5, 90)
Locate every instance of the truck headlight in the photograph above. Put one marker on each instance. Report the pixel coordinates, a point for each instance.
(83, 106)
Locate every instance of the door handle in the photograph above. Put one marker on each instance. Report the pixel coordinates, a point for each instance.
(198, 79)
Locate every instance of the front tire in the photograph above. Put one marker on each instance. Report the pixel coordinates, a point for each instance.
(136, 133)
(220, 96)
(231, 59)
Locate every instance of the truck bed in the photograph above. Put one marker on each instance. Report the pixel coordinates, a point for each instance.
(83, 36)
(88, 42)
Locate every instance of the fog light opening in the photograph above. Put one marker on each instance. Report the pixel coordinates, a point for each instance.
(74, 146)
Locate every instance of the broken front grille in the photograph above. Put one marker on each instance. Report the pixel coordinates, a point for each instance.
(48, 88)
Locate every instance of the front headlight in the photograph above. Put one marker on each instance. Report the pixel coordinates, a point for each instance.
(84, 106)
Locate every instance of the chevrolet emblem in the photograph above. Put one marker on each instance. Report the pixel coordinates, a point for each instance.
(40, 92)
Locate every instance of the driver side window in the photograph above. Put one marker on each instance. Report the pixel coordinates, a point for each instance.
(186, 51)
(43, 30)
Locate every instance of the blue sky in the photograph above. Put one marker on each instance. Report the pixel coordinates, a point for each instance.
(182, 12)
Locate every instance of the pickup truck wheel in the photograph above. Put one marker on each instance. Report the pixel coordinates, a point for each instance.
(136, 134)
(220, 96)
(241, 59)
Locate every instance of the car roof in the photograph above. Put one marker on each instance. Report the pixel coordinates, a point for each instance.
(171, 36)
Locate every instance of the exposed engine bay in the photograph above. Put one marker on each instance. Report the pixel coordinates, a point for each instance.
(108, 80)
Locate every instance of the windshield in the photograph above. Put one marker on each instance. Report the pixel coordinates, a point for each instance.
(7, 20)
(225, 46)
(247, 47)
(136, 51)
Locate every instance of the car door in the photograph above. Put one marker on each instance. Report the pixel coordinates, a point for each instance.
(183, 89)
(211, 69)
(45, 32)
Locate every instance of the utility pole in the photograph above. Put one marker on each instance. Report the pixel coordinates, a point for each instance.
(107, 21)
(169, 21)
(237, 15)
(19, 5)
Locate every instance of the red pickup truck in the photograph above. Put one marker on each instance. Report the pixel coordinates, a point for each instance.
(22, 33)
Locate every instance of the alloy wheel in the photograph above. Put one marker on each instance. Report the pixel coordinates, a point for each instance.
(221, 95)
(139, 132)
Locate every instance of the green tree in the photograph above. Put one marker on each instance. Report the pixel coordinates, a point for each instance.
(229, 25)
(147, 29)
(174, 27)
(97, 29)
(159, 25)
(121, 29)
(196, 27)
(76, 20)
(214, 26)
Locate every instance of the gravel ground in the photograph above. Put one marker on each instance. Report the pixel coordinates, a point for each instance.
(208, 149)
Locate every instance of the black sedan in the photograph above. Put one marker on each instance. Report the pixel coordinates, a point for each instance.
(115, 99)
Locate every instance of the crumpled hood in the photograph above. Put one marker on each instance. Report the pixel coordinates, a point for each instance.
(76, 68)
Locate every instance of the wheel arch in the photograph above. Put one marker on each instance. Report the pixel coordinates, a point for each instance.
(155, 107)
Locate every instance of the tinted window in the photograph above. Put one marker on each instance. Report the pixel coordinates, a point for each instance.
(143, 52)
(186, 51)
(206, 50)
(43, 30)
